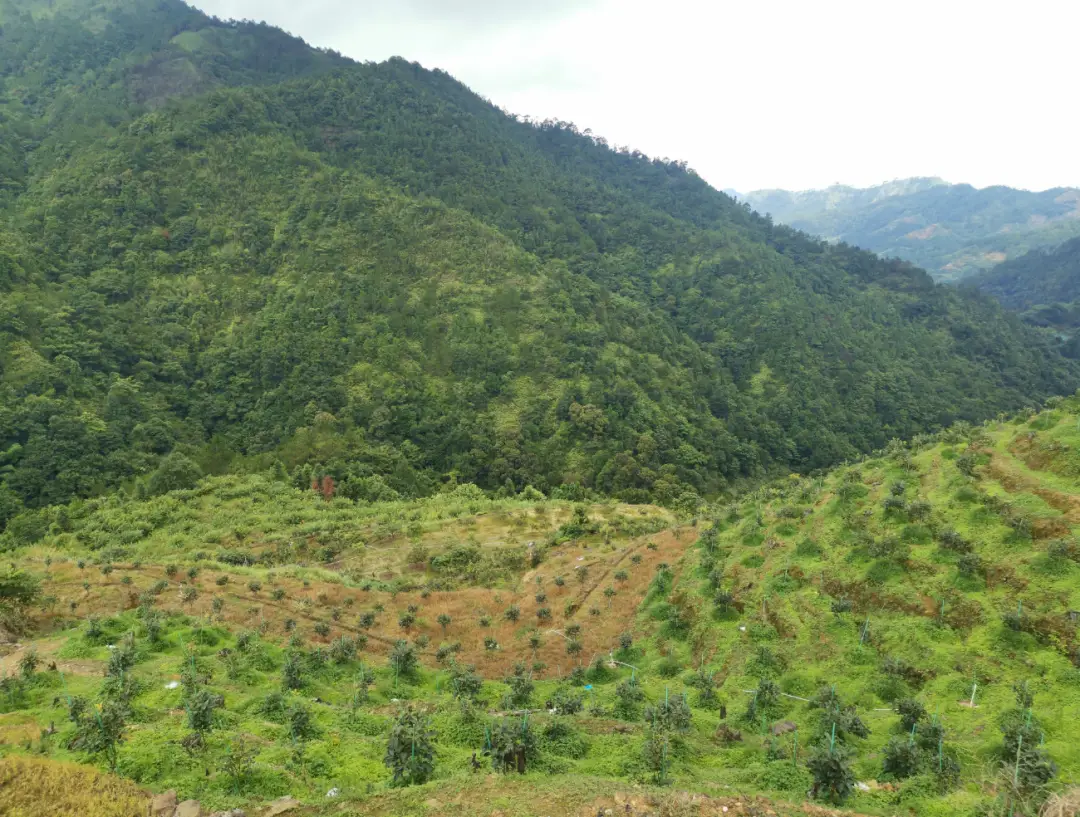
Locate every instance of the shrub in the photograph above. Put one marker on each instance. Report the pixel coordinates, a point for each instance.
(465, 684)
(403, 659)
(888, 547)
(200, 708)
(512, 745)
(342, 650)
(292, 672)
(918, 510)
(951, 540)
(970, 564)
(900, 758)
(911, 713)
(670, 715)
(521, 686)
(705, 683)
(764, 702)
(410, 749)
(301, 725)
(655, 752)
(566, 702)
(830, 767)
(629, 697)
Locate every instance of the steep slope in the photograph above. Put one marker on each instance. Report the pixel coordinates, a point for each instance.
(368, 271)
(1043, 284)
(952, 230)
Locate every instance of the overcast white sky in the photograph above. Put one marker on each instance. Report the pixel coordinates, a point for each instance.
(753, 94)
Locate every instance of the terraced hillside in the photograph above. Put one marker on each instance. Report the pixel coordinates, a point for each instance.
(898, 635)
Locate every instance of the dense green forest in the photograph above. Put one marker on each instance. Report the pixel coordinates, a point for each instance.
(1043, 285)
(952, 230)
(222, 250)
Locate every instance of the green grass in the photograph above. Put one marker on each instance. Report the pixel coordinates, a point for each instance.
(920, 625)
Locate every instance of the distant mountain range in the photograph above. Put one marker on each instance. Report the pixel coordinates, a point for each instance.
(951, 230)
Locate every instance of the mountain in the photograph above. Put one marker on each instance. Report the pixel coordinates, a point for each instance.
(1050, 276)
(1043, 285)
(224, 251)
(951, 230)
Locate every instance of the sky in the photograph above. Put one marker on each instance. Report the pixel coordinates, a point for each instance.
(796, 94)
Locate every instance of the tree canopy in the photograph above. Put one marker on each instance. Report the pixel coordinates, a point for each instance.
(222, 245)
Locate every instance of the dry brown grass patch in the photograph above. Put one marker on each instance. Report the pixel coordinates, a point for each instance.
(35, 787)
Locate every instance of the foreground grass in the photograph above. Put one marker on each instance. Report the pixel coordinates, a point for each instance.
(937, 571)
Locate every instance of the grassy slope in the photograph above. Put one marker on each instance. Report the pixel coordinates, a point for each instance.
(787, 550)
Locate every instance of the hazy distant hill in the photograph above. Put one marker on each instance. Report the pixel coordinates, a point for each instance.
(951, 230)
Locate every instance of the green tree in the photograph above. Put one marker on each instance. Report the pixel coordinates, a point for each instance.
(176, 473)
(18, 592)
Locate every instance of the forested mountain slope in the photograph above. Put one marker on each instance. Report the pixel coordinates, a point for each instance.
(1043, 284)
(218, 241)
(952, 230)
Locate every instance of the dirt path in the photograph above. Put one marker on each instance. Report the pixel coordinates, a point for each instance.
(46, 651)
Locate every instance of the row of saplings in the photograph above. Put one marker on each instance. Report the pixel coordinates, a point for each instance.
(919, 748)
(511, 745)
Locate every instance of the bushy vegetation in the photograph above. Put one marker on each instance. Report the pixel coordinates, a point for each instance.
(511, 304)
(1042, 285)
(332, 402)
(817, 670)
